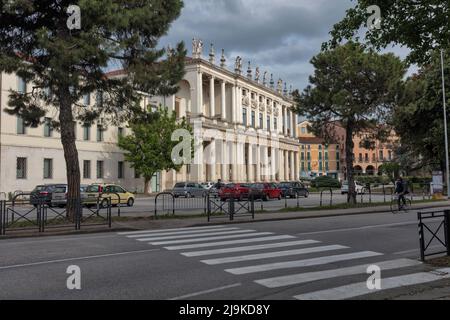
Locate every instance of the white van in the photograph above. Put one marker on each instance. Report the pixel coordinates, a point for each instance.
(360, 189)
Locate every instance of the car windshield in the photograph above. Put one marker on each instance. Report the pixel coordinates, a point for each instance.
(59, 189)
(39, 188)
(179, 185)
(93, 189)
(285, 185)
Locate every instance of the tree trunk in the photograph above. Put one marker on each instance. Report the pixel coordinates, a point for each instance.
(70, 153)
(147, 185)
(349, 145)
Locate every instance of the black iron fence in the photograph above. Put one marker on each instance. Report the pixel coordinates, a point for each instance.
(434, 226)
(33, 213)
(230, 207)
(168, 204)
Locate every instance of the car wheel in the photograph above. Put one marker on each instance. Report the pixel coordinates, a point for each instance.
(265, 197)
(188, 195)
(104, 203)
(306, 194)
(130, 202)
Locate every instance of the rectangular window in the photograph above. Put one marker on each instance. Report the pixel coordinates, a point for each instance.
(99, 133)
(326, 167)
(337, 155)
(48, 168)
(21, 129)
(390, 155)
(268, 123)
(120, 132)
(100, 169)
(86, 169)
(338, 165)
(309, 166)
(303, 129)
(275, 124)
(320, 155)
(120, 170)
(261, 121)
(360, 158)
(381, 155)
(87, 99)
(320, 166)
(302, 156)
(326, 156)
(366, 157)
(244, 116)
(86, 132)
(48, 130)
(308, 156)
(22, 85)
(302, 166)
(253, 119)
(137, 175)
(99, 99)
(21, 168)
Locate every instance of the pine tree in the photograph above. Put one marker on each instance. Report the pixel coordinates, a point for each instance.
(41, 42)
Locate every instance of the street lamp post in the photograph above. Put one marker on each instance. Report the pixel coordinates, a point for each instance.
(445, 125)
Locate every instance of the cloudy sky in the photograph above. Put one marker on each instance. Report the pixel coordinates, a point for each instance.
(279, 36)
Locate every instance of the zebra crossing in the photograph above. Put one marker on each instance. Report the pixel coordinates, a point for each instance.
(258, 254)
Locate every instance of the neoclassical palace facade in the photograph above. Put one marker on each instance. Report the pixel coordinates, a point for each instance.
(244, 127)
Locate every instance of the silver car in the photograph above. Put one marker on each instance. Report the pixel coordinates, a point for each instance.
(188, 190)
(59, 194)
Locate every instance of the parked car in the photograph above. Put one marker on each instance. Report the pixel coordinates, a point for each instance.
(188, 190)
(360, 189)
(207, 185)
(293, 189)
(59, 194)
(214, 190)
(42, 194)
(238, 191)
(105, 191)
(266, 191)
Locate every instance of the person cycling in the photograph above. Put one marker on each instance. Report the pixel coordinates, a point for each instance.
(401, 189)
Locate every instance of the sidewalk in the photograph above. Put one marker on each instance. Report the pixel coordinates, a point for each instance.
(143, 224)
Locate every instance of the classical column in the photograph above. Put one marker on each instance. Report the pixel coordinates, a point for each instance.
(273, 167)
(286, 165)
(258, 163)
(250, 163)
(212, 161)
(199, 106)
(284, 121)
(212, 98)
(223, 105)
(239, 105)
(233, 104)
(197, 174)
(234, 165)
(294, 120)
(224, 161)
(266, 163)
(292, 166)
(297, 167)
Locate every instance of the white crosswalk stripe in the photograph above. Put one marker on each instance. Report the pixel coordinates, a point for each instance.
(299, 278)
(273, 254)
(149, 234)
(212, 238)
(360, 288)
(249, 248)
(225, 243)
(194, 235)
(164, 230)
(217, 245)
(303, 263)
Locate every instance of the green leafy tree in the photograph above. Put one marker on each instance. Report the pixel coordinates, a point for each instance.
(391, 169)
(422, 26)
(354, 89)
(149, 147)
(418, 118)
(62, 63)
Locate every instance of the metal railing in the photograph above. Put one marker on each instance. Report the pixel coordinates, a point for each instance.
(443, 220)
(217, 208)
(331, 196)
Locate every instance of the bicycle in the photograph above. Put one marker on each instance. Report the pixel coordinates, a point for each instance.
(397, 207)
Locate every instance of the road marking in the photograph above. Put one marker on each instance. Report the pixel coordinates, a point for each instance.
(195, 235)
(303, 263)
(417, 250)
(206, 291)
(223, 243)
(273, 254)
(212, 238)
(282, 281)
(180, 232)
(248, 248)
(360, 288)
(6, 241)
(76, 258)
(164, 230)
(359, 228)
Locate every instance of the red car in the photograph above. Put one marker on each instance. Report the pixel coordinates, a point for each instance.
(267, 191)
(237, 191)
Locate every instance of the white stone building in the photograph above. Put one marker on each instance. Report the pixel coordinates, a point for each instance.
(245, 125)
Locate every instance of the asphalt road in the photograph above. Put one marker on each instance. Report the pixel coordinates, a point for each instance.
(296, 259)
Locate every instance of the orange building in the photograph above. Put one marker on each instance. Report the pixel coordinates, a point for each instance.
(317, 158)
